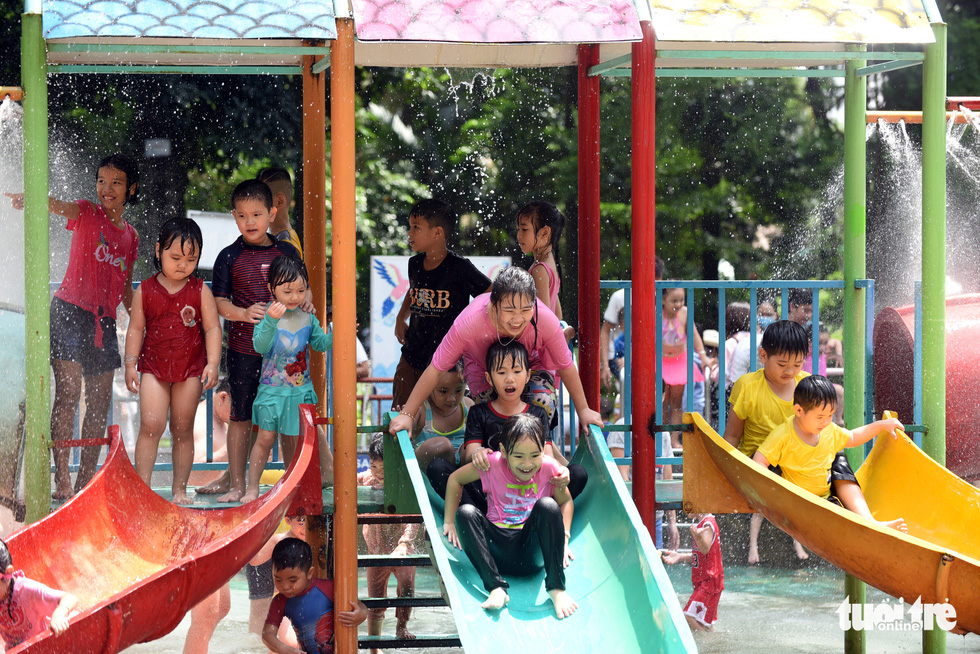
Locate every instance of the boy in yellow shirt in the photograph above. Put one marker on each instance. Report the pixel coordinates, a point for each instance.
(808, 446)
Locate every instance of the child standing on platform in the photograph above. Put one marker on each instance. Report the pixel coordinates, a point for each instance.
(281, 185)
(241, 291)
(284, 336)
(83, 311)
(390, 539)
(707, 573)
(526, 513)
(674, 366)
(28, 607)
(539, 227)
(441, 284)
(172, 349)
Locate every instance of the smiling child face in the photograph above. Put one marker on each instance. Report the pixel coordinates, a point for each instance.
(524, 460)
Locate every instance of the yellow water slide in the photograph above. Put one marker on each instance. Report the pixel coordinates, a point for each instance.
(937, 561)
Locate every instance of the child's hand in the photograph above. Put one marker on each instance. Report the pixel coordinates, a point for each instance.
(276, 310)
(210, 377)
(891, 425)
(561, 480)
(403, 549)
(587, 417)
(307, 307)
(670, 557)
(355, 616)
(254, 313)
(449, 531)
(132, 379)
(568, 556)
(59, 622)
(401, 328)
(16, 200)
(401, 422)
(481, 459)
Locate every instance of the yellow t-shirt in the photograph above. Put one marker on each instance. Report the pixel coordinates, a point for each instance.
(290, 236)
(807, 466)
(760, 408)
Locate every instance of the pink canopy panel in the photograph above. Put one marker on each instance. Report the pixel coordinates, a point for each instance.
(496, 21)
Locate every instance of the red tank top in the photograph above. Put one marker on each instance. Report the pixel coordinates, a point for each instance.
(707, 568)
(173, 346)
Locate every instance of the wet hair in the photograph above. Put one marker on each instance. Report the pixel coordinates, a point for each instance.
(785, 337)
(285, 269)
(674, 288)
(499, 352)
(438, 214)
(376, 448)
(125, 164)
(801, 297)
(659, 269)
(224, 386)
(275, 177)
(6, 561)
(184, 229)
(544, 214)
(737, 318)
(814, 392)
(292, 553)
(252, 189)
(515, 281)
(519, 427)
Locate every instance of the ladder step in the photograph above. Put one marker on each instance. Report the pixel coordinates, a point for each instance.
(384, 560)
(369, 642)
(387, 519)
(386, 602)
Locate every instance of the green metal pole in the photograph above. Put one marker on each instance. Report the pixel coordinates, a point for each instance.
(855, 219)
(934, 269)
(37, 471)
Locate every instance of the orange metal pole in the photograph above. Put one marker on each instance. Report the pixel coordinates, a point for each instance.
(344, 285)
(315, 208)
(953, 102)
(910, 117)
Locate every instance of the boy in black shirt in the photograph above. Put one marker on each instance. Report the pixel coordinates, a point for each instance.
(441, 284)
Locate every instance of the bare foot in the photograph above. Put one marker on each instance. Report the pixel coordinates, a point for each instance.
(404, 633)
(231, 496)
(801, 553)
(753, 556)
(249, 496)
(498, 599)
(63, 494)
(220, 485)
(564, 604)
(181, 497)
(897, 523)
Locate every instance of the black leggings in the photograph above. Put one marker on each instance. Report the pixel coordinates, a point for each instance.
(494, 549)
(439, 470)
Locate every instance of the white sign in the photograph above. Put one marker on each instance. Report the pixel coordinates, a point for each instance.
(894, 616)
(389, 284)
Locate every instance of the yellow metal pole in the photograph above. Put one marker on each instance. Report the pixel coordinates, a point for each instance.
(344, 285)
(315, 208)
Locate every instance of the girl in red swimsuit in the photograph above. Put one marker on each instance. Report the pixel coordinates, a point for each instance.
(174, 340)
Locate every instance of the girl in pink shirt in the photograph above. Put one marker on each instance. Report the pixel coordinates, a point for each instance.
(83, 310)
(28, 607)
(525, 513)
(511, 311)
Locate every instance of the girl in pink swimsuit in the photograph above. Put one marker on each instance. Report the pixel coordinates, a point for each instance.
(539, 227)
(673, 367)
(172, 351)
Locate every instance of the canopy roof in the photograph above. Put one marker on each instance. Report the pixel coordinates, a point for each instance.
(263, 36)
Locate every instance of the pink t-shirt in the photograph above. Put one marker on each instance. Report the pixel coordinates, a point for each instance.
(509, 500)
(553, 284)
(473, 333)
(99, 261)
(29, 612)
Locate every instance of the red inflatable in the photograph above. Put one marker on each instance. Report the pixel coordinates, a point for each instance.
(893, 375)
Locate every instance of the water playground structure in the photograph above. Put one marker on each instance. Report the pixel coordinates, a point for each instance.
(642, 41)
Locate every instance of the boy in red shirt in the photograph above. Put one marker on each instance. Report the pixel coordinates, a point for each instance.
(707, 573)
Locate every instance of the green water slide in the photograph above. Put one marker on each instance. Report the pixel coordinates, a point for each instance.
(626, 602)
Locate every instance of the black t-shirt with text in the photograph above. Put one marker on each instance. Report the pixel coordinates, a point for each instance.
(436, 298)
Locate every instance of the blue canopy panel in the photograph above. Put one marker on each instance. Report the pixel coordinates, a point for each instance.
(489, 33)
(185, 32)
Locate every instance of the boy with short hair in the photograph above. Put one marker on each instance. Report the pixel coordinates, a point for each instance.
(305, 600)
(241, 290)
(394, 539)
(808, 447)
(762, 400)
(441, 284)
(800, 302)
(281, 185)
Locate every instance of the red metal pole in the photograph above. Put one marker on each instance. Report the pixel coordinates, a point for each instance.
(588, 228)
(644, 316)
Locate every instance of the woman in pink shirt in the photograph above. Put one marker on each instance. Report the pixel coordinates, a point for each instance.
(83, 310)
(511, 311)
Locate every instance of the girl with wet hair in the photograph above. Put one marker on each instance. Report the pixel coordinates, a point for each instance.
(28, 607)
(539, 228)
(510, 312)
